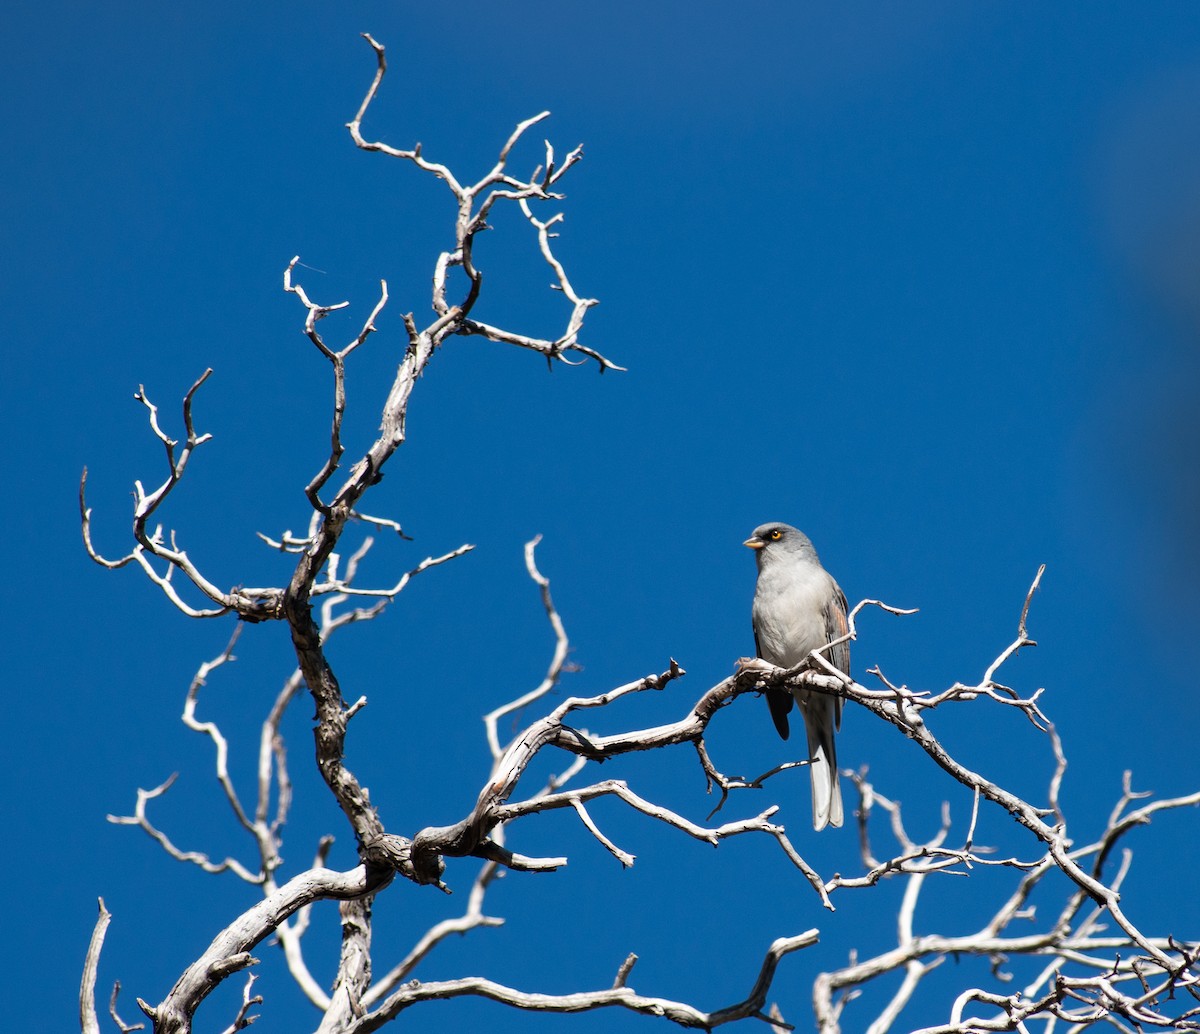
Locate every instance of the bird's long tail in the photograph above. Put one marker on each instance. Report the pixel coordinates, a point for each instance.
(819, 722)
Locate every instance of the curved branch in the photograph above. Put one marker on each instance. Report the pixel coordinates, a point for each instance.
(229, 951)
(88, 1021)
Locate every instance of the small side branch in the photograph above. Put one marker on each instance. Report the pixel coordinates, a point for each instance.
(562, 646)
(250, 604)
(243, 1019)
(338, 362)
(197, 858)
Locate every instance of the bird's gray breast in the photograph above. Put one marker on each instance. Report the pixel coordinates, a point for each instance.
(789, 614)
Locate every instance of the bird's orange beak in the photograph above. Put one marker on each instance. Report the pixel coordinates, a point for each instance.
(754, 543)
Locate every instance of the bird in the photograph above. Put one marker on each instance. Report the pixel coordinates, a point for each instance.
(798, 608)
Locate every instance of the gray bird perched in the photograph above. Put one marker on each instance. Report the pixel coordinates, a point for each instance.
(799, 608)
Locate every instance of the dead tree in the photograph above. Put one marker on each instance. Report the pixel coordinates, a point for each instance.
(1095, 962)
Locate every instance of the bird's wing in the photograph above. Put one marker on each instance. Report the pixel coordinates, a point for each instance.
(837, 624)
(778, 700)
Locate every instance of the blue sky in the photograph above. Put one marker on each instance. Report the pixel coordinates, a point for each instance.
(921, 281)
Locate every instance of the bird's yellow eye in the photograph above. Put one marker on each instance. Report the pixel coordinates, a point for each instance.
(775, 535)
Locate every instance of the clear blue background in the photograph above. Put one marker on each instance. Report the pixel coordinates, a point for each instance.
(921, 280)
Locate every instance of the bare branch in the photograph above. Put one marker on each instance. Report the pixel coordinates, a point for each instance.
(345, 589)
(624, 857)
(241, 1021)
(338, 361)
(88, 1021)
(626, 968)
(197, 858)
(251, 604)
(474, 204)
(125, 1028)
(440, 171)
(552, 350)
(562, 646)
(229, 951)
(623, 997)
(380, 522)
(473, 917)
(354, 968)
(1022, 639)
(211, 730)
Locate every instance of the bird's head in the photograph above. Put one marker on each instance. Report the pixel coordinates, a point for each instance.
(776, 539)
